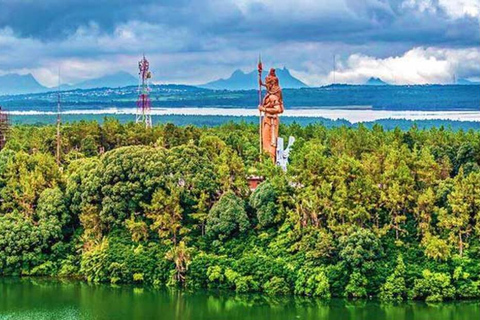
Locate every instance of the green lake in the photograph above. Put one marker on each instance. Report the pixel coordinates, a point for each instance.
(51, 299)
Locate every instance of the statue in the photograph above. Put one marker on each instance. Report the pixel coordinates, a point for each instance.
(272, 107)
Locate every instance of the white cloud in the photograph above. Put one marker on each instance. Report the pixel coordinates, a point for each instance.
(417, 66)
(421, 5)
(298, 8)
(461, 8)
(454, 8)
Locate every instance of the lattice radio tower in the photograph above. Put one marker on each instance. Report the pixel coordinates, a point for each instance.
(4, 127)
(143, 102)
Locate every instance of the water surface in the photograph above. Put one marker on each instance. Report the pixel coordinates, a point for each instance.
(353, 114)
(51, 299)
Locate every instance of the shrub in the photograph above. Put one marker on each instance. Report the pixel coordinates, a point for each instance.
(433, 287)
(312, 282)
(356, 287)
(276, 286)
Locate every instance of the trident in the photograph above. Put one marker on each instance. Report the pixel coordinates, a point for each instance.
(260, 69)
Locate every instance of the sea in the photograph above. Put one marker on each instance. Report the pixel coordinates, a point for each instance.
(189, 105)
(352, 114)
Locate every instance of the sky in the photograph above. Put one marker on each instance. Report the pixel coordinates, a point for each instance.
(196, 41)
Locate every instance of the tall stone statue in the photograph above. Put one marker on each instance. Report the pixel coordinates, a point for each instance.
(271, 107)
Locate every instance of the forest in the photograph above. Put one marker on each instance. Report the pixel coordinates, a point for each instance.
(361, 213)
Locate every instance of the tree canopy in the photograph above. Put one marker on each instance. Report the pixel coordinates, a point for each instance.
(361, 212)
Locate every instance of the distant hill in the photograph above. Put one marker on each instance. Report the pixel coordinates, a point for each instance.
(240, 80)
(376, 82)
(466, 82)
(115, 80)
(12, 84)
(19, 84)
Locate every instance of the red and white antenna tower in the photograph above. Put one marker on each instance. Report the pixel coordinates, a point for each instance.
(143, 102)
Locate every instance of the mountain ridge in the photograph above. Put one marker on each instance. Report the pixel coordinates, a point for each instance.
(240, 80)
(466, 82)
(374, 81)
(13, 83)
(113, 80)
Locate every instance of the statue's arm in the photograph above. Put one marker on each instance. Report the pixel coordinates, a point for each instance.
(276, 109)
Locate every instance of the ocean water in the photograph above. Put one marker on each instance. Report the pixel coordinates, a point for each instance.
(189, 105)
(352, 114)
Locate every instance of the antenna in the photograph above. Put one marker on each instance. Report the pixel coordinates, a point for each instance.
(334, 68)
(59, 120)
(143, 102)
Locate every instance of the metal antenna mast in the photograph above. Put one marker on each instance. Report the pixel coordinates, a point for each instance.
(59, 121)
(143, 102)
(334, 68)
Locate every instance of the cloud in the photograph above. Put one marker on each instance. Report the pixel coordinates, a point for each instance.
(461, 8)
(197, 41)
(417, 66)
(455, 9)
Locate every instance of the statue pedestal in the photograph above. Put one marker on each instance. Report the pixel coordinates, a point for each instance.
(254, 181)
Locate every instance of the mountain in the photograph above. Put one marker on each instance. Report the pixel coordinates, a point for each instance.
(19, 84)
(376, 82)
(240, 80)
(23, 84)
(466, 82)
(114, 80)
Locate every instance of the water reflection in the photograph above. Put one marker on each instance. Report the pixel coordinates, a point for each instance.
(63, 299)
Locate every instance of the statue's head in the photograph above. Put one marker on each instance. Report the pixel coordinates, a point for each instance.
(272, 72)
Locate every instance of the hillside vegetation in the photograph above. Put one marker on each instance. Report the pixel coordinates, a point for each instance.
(361, 212)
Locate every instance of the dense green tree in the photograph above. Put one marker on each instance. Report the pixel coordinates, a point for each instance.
(25, 177)
(264, 200)
(227, 216)
(395, 288)
(166, 214)
(360, 249)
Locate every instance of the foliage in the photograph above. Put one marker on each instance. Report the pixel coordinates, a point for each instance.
(356, 287)
(264, 201)
(226, 217)
(395, 288)
(434, 287)
(361, 211)
(312, 282)
(276, 286)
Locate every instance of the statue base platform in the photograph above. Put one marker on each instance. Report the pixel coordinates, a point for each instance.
(254, 181)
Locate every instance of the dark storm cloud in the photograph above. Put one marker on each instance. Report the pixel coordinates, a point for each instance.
(52, 19)
(354, 21)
